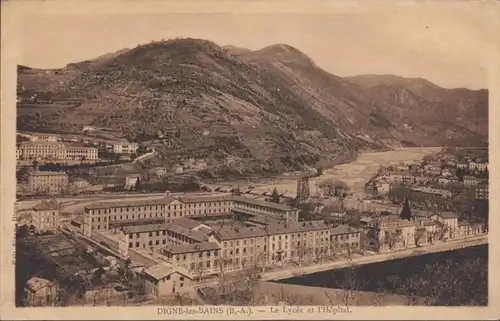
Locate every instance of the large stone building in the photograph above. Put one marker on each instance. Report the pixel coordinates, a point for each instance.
(49, 150)
(125, 148)
(42, 150)
(345, 239)
(43, 138)
(47, 182)
(100, 216)
(389, 233)
(45, 216)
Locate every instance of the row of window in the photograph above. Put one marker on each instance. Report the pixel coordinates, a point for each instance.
(184, 257)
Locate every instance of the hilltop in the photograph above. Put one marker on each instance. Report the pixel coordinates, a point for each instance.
(273, 105)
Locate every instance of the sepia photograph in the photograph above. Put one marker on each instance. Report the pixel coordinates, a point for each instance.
(211, 162)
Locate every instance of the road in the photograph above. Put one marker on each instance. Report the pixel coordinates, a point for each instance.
(367, 259)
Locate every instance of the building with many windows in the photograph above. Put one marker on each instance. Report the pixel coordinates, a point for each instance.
(55, 151)
(389, 233)
(482, 191)
(45, 216)
(47, 182)
(345, 239)
(125, 148)
(99, 216)
(81, 153)
(42, 150)
(43, 138)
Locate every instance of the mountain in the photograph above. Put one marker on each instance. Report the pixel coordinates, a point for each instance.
(273, 106)
(233, 50)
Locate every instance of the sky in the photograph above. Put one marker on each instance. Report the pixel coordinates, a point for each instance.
(448, 45)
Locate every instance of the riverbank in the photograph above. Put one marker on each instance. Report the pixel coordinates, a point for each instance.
(355, 174)
(374, 258)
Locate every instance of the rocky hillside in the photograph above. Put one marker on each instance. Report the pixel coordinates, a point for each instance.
(272, 105)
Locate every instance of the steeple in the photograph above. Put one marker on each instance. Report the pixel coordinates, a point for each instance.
(405, 212)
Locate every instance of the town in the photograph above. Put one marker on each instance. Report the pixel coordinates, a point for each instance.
(176, 246)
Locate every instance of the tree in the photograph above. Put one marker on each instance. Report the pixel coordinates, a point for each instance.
(446, 283)
(398, 193)
(419, 236)
(275, 196)
(351, 282)
(405, 212)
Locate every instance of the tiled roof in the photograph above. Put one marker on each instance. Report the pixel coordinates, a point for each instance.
(343, 229)
(448, 215)
(203, 198)
(228, 233)
(104, 205)
(160, 271)
(46, 206)
(187, 222)
(199, 236)
(47, 173)
(277, 206)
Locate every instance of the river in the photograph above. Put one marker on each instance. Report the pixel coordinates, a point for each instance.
(355, 174)
(375, 277)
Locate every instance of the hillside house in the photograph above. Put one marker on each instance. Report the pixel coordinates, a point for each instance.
(159, 171)
(470, 181)
(44, 138)
(200, 165)
(447, 172)
(178, 169)
(125, 148)
(482, 191)
(131, 181)
(383, 188)
(479, 166)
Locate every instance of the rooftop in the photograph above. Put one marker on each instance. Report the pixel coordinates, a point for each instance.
(160, 271)
(254, 201)
(229, 232)
(187, 222)
(448, 215)
(105, 205)
(199, 236)
(343, 229)
(46, 206)
(47, 173)
(38, 142)
(36, 283)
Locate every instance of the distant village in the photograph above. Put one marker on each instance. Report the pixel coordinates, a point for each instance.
(177, 247)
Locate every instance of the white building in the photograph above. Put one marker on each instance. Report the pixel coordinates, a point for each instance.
(125, 148)
(43, 138)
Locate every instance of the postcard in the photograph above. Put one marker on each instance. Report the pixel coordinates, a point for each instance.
(249, 160)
